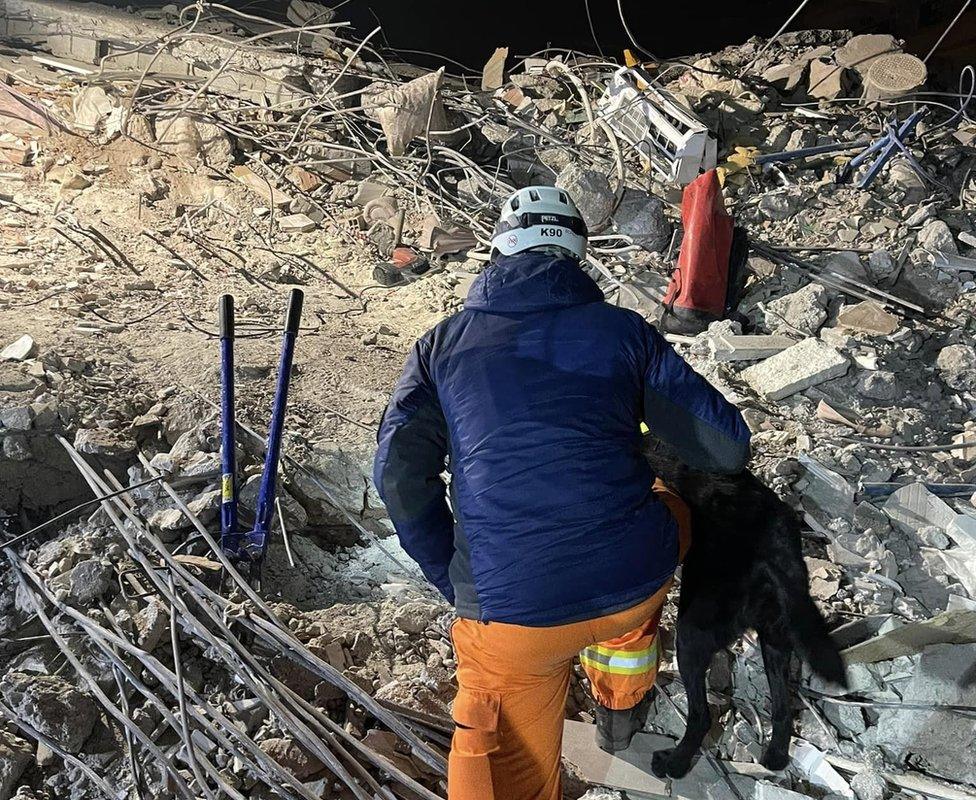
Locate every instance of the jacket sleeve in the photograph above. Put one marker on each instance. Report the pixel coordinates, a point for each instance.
(688, 413)
(413, 445)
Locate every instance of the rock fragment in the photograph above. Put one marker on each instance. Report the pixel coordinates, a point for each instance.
(935, 237)
(880, 385)
(641, 217)
(16, 755)
(591, 191)
(19, 350)
(415, 617)
(98, 442)
(85, 582)
(776, 206)
(52, 706)
(957, 365)
(292, 757)
(797, 368)
(804, 310)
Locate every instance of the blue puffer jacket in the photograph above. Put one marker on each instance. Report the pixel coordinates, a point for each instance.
(534, 394)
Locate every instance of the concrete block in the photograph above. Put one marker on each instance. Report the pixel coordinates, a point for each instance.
(913, 507)
(729, 347)
(825, 490)
(770, 791)
(799, 367)
(869, 317)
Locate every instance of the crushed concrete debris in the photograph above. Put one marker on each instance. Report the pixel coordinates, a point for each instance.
(854, 368)
(734, 347)
(52, 706)
(803, 311)
(15, 756)
(868, 316)
(799, 367)
(20, 350)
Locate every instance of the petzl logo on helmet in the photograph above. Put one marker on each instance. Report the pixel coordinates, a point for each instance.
(512, 240)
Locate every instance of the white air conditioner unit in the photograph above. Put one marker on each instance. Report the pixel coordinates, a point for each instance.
(669, 138)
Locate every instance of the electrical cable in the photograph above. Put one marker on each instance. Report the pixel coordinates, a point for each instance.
(589, 19)
(946, 31)
(630, 36)
(776, 35)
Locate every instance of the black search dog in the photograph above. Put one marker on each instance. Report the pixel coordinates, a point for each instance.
(745, 570)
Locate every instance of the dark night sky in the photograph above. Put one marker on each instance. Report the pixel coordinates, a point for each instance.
(468, 31)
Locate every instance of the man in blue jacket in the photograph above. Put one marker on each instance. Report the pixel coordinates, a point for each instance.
(556, 538)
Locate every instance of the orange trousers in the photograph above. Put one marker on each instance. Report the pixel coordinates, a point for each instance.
(513, 681)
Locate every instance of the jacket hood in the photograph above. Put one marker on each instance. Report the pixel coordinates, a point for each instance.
(530, 282)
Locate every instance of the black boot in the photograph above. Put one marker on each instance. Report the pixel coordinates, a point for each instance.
(615, 729)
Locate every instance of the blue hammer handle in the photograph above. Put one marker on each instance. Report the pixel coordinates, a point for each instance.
(257, 539)
(229, 537)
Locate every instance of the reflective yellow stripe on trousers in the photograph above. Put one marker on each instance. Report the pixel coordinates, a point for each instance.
(620, 662)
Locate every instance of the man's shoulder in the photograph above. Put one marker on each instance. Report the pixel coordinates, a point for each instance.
(623, 321)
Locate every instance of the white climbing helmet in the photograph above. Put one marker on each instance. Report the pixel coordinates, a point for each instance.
(540, 216)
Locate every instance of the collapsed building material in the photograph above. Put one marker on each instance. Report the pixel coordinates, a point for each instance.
(275, 171)
(799, 367)
(667, 135)
(70, 31)
(747, 348)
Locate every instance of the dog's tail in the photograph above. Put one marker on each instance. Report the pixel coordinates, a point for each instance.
(808, 629)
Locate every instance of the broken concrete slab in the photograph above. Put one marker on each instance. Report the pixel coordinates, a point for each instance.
(493, 74)
(930, 740)
(806, 364)
(958, 563)
(868, 316)
(99, 35)
(804, 310)
(297, 223)
(827, 80)
(263, 188)
(912, 507)
(949, 627)
(812, 764)
(825, 490)
(732, 347)
(765, 790)
(52, 706)
(409, 110)
(862, 51)
(19, 350)
(630, 770)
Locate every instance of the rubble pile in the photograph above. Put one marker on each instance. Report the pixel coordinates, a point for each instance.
(158, 159)
(217, 687)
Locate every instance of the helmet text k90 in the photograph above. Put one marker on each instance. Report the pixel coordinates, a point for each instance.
(540, 216)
